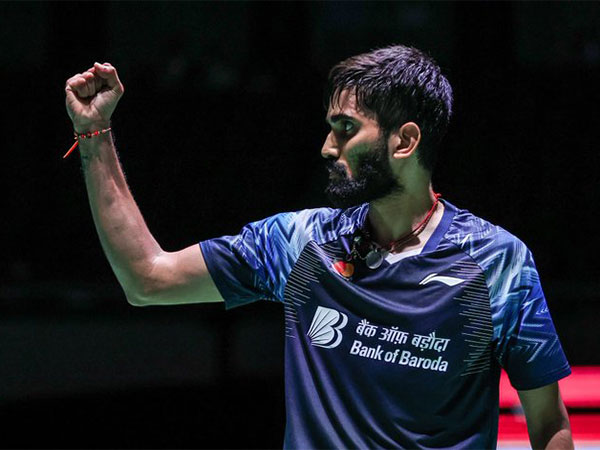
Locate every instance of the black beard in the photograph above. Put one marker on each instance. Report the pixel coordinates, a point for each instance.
(373, 179)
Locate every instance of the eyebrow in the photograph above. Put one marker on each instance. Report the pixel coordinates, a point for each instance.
(337, 117)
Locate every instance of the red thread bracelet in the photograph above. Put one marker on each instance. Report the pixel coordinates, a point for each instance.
(84, 136)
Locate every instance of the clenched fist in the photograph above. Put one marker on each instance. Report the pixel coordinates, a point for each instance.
(92, 96)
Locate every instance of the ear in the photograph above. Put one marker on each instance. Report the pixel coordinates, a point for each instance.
(406, 141)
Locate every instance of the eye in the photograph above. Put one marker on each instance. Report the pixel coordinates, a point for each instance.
(348, 126)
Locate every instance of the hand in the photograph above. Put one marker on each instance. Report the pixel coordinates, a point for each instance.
(92, 96)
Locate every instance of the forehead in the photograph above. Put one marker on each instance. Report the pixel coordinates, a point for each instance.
(345, 105)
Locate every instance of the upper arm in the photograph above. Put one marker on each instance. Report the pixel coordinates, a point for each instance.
(546, 415)
(177, 278)
(247, 267)
(526, 342)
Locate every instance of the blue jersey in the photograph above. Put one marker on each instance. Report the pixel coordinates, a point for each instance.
(406, 355)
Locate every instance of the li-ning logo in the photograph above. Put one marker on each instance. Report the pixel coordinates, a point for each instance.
(448, 281)
(325, 327)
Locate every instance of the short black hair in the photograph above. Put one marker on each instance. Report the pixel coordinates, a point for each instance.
(395, 85)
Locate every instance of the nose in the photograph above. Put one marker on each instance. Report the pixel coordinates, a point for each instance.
(330, 148)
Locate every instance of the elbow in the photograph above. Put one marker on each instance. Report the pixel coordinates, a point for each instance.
(145, 287)
(141, 295)
(135, 299)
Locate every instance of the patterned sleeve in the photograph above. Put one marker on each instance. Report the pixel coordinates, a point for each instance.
(527, 345)
(254, 265)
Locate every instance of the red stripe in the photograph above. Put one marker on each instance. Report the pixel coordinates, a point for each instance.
(579, 390)
(585, 427)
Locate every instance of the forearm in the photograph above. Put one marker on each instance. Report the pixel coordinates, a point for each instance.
(124, 235)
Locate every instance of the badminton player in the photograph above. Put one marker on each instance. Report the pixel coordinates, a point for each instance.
(400, 307)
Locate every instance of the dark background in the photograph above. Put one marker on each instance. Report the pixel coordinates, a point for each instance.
(221, 124)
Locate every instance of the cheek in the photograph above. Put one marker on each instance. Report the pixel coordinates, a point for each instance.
(354, 155)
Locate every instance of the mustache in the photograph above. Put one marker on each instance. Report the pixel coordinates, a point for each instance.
(336, 168)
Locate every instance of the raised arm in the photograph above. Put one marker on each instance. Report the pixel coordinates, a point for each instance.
(147, 273)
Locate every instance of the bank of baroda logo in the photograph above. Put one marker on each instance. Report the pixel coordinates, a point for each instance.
(325, 328)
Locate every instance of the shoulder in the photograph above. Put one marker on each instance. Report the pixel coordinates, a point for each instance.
(501, 255)
(507, 265)
(318, 224)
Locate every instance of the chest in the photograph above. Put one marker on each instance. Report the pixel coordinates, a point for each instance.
(427, 314)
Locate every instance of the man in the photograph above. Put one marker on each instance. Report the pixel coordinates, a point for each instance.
(400, 308)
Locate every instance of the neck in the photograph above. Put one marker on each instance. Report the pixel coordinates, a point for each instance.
(393, 217)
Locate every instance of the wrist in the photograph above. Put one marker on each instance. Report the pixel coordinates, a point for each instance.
(90, 127)
(86, 140)
(93, 139)
(89, 149)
